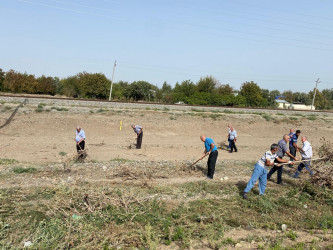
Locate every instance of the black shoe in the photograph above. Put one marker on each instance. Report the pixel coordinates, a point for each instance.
(269, 179)
(245, 196)
(282, 184)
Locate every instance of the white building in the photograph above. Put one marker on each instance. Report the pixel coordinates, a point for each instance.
(283, 104)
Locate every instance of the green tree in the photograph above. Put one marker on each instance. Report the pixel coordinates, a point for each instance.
(320, 100)
(206, 84)
(224, 89)
(166, 93)
(289, 97)
(252, 93)
(120, 90)
(270, 97)
(46, 85)
(93, 85)
(199, 98)
(140, 90)
(302, 98)
(328, 93)
(20, 83)
(70, 86)
(2, 79)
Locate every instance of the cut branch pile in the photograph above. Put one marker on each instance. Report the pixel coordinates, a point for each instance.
(324, 169)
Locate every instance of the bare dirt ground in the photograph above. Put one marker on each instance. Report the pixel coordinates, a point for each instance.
(45, 140)
(39, 137)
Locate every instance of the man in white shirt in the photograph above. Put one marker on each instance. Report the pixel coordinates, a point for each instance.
(139, 134)
(80, 137)
(233, 138)
(306, 153)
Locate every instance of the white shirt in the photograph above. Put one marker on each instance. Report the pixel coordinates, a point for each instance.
(79, 136)
(307, 148)
(232, 134)
(267, 156)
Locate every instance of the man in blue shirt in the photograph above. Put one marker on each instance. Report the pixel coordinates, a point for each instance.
(211, 150)
(80, 138)
(293, 144)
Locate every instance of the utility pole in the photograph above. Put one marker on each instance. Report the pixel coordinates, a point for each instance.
(314, 96)
(114, 66)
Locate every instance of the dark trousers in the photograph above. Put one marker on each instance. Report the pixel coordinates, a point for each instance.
(293, 153)
(139, 140)
(80, 146)
(279, 173)
(233, 146)
(211, 163)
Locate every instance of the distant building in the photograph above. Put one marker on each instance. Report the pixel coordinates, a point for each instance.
(283, 104)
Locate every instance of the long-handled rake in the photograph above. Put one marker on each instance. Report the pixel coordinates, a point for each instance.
(197, 161)
(287, 163)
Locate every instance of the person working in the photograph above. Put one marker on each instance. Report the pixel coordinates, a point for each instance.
(306, 153)
(139, 134)
(80, 138)
(211, 150)
(293, 144)
(260, 170)
(282, 150)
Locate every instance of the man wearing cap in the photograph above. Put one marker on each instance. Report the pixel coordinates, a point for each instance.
(260, 170)
(80, 138)
(139, 134)
(282, 150)
(211, 150)
(306, 153)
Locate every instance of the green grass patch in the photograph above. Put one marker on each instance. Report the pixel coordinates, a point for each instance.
(101, 110)
(59, 109)
(38, 110)
(267, 117)
(4, 161)
(312, 117)
(21, 170)
(214, 116)
(197, 110)
(291, 235)
(121, 160)
(41, 105)
(62, 153)
(281, 114)
(292, 118)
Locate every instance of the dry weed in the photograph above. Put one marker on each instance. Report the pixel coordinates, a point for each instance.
(324, 168)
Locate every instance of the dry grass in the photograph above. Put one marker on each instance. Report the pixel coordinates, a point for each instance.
(324, 168)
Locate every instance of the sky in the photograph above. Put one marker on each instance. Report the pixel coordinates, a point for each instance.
(283, 45)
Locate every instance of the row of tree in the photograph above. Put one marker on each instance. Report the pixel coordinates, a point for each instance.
(207, 91)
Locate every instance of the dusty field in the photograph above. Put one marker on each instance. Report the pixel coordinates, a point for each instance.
(114, 175)
(168, 135)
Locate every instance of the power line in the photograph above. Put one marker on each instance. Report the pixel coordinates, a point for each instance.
(67, 9)
(195, 25)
